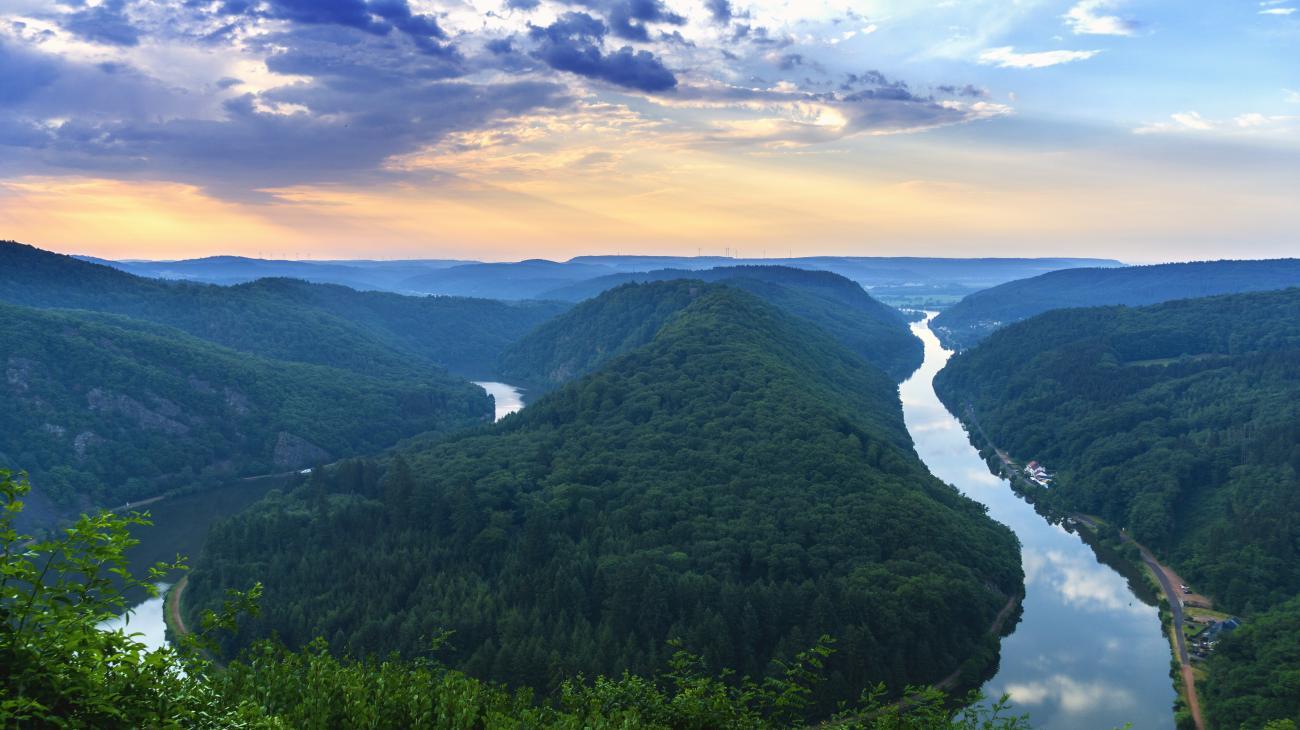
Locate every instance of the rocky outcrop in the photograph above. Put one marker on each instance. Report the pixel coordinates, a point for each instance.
(237, 401)
(84, 442)
(295, 452)
(18, 374)
(107, 402)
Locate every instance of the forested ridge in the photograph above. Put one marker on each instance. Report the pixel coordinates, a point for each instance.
(976, 316)
(574, 344)
(59, 667)
(372, 333)
(1181, 422)
(741, 482)
(103, 409)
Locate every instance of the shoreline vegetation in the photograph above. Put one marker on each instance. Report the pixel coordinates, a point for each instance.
(1176, 423)
(1108, 544)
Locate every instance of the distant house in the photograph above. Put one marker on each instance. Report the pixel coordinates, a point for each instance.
(1038, 474)
(1219, 629)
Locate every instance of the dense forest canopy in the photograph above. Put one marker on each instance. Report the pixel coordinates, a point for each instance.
(102, 409)
(975, 317)
(372, 333)
(59, 667)
(741, 482)
(576, 343)
(1179, 421)
(1256, 671)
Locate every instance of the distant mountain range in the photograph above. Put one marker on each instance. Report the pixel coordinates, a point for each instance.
(373, 333)
(374, 275)
(981, 313)
(894, 280)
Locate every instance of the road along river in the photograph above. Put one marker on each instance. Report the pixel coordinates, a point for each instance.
(1088, 654)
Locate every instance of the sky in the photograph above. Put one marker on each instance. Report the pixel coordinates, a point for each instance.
(509, 129)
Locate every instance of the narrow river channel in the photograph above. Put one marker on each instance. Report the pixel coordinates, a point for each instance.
(509, 399)
(180, 525)
(1088, 654)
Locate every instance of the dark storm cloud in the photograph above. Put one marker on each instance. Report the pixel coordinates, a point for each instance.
(720, 10)
(366, 102)
(573, 43)
(376, 80)
(628, 18)
(24, 74)
(104, 23)
(967, 90)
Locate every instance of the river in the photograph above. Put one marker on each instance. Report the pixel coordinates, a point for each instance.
(509, 399)
(180, 525)
(1088, 653)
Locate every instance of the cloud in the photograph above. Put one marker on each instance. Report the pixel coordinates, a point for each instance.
(628, 18)
(720, 11)
(236, 97)
(1277, 11)
(866, 103)
(1192, 122)
(342, 122)
(573, 44)
(1072, 695)
(1080, 582)
(1007, 57)
(1088, 17)
(103, 23)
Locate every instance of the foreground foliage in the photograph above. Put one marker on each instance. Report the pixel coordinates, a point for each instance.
(1180, 422)
(59, 669)
(741, 482)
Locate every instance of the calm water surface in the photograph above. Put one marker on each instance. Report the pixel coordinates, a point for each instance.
(1088, 654)
(509, 398)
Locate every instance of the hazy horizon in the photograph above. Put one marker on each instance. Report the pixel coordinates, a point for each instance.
(269, 256)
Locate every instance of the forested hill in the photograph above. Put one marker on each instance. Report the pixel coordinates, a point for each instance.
(101, 409)
(973, 318)
(367, 332)
(741, 482)
(466, 336)
(597, 330)
(1180, 421)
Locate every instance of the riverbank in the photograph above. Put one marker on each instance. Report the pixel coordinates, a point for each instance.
(1173, 613)
(1159, 575)
(1086, 650)
(952, 681)
(172, 612)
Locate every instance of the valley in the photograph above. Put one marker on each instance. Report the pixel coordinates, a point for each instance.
(755, 464)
